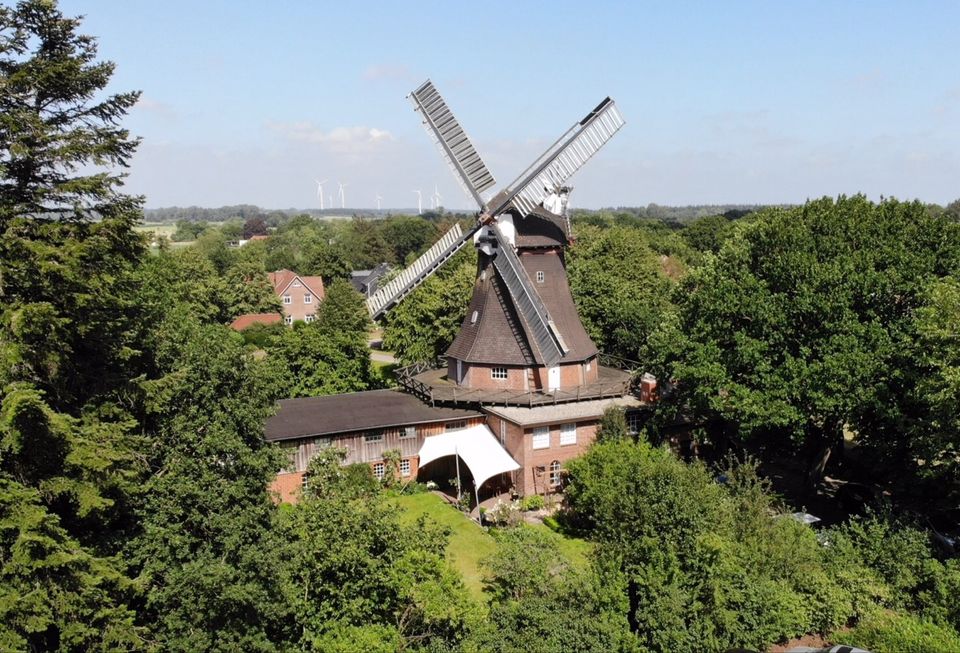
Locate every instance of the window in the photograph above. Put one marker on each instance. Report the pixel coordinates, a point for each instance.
(287, 299)
(405, 467)
(555, 473)
(473, 317)
(459, 425)
(296, 283)
(309, 318)
(304, 482)
(408, 432)
(498, 372)
(307, 298)
(503, 433)
(589, 365)
(370, 438)
(568, 434)
(288, 319)
(633, 422)
(540, 276)
(378, 470)
(541, 437)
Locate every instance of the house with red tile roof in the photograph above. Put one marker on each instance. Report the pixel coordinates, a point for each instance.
(299, 295)
(249, 319)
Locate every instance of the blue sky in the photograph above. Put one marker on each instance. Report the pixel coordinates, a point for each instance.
(725, 102)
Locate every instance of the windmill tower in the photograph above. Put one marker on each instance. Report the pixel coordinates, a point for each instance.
(522, 333)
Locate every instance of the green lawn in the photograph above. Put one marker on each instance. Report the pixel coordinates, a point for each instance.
(469, 544)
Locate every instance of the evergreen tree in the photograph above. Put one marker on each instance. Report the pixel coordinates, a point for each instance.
(69, 462)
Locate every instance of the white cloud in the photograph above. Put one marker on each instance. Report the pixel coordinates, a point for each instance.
(339, 140)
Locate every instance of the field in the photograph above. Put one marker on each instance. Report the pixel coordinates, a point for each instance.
(469, 543)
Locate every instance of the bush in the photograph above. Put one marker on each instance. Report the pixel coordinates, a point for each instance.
(888, 632)
(532, 502)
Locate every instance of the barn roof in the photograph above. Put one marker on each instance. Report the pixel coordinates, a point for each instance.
(355, 411)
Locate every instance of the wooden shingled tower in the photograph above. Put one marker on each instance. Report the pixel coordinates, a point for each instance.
(522, 331)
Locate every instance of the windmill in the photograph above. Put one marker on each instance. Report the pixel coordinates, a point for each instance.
(419, 202)
(343, 196)
(320, 191)
(435, 198)
(521, 326)
(378, 201)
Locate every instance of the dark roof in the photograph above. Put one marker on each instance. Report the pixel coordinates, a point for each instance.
(497, 335)
(356, 411)
(366, 281)
(500, 336)
(540, 228)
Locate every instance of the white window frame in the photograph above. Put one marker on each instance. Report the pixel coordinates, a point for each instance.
(307, 298)
(540, 438)
(373, 438)
(379, 471)
(458, 425)
(287, 299)
(304, 481)
(633, 422)
(541, 277)
(568, 433)
(408, 432)
(405, 467)
(296, 283)
(309, 318)
(288, 319)
(499, 373)
(555, 469)
(503, 433)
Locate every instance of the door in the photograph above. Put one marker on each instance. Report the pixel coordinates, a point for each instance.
(553, 378)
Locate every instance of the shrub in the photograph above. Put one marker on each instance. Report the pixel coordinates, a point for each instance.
(888, 632)
(532, 502)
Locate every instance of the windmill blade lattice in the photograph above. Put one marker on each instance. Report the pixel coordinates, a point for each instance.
(562, 159)
(421, 269)
(449, 136)
(528, 302)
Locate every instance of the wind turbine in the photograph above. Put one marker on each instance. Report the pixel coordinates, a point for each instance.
(436, 197)
(378, 201)
(343, 196)
(320, 191)
(419, 202)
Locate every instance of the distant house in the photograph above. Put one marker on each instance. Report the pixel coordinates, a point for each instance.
(366, 282)
(299, 296)
(249, 319)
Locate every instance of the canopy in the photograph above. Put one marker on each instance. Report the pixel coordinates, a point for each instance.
(476, 446)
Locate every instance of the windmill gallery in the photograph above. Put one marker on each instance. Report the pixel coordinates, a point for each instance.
(524, 387)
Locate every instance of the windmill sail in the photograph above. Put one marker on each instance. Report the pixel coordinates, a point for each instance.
(452, 141)
(528, 302)
(411, 277)
(562, 159)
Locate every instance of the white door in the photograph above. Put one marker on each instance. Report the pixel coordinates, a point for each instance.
(553, 378)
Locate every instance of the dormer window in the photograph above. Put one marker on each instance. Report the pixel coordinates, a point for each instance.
(540, 276)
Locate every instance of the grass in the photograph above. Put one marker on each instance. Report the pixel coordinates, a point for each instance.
(469, 544)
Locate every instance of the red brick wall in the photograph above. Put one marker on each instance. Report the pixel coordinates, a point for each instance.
(286, 487)
(479, 377)
(298, 309)
(519, 444)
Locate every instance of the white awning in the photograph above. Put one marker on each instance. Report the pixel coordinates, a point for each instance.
(476, 446)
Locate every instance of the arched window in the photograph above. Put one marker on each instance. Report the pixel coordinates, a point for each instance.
(555, 473)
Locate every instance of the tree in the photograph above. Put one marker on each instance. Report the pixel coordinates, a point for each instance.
(70, 468)
(620, 289)
(408, 235)
(423, 325)
(248, 289)
(255, 227)
(790, 332)
(206, 552)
